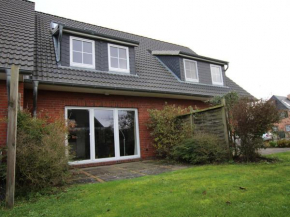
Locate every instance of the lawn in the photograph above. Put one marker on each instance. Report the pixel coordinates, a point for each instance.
(216, 190)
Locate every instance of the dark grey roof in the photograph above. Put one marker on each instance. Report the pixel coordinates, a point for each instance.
(26, 40)
(17, 33)
(151, 74)
(284, 101)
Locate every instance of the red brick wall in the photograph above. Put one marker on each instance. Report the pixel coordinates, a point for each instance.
(53, 103)
(4, 109)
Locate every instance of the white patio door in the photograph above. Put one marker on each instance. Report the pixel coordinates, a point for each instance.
(103, 134)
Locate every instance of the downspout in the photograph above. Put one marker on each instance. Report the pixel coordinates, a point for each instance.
(35, 93)
(57, 42)
(228, 66)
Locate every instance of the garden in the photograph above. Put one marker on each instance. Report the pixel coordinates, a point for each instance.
(229, 178)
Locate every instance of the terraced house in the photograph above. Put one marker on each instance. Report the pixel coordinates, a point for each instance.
(102, 79)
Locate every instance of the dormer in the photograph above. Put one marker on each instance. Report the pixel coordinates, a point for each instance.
(89, 50)
(193, 68)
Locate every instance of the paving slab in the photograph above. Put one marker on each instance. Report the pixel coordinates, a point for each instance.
(123, 171)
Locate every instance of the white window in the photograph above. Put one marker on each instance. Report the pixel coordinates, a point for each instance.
(102, 134)
(190, 68)
(118, 58)
(216, 75)
(82, 52)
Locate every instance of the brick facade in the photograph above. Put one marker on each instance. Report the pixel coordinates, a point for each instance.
(4, 109)
(53, 104)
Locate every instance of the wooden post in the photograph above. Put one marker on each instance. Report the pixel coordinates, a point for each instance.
(11, 136)
(191, 120)
(226, 132)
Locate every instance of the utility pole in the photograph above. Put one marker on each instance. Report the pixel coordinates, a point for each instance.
(11, 136)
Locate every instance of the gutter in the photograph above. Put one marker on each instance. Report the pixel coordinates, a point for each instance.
(98, 36)
(21, 71)
(117, 88)
(189, 56)
(58, 27)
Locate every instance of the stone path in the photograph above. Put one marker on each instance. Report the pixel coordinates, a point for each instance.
(273, 150)
(122, 171)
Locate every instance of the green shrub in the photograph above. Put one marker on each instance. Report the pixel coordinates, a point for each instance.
(283, 143)
(167, 130)
(41, 155)
(201, 149)
(273, 144)
(251, 119)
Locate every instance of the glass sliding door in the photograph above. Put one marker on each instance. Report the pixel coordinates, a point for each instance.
(104, 133)
(127, 133)
(79, 133)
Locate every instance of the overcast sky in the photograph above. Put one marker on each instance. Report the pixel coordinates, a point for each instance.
(254, 36)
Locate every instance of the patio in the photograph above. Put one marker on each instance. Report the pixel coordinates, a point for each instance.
(122, 171)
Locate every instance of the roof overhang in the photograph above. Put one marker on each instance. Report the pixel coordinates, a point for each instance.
(109, 91)
(21, 71)
(92, 34)
(189, 56)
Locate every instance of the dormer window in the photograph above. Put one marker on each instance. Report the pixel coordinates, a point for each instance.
(82, 52)
(190, 69)
(118, 58)
(216, 75)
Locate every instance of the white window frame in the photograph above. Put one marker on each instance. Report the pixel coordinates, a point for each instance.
(190, 79)
(116, 137)
(82, 65)
(213, 82)
(112, 69)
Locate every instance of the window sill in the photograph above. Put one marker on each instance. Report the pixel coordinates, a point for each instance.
(83, 66)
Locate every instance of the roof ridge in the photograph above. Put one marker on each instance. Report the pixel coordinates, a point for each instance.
(114, 29)
(28, 1)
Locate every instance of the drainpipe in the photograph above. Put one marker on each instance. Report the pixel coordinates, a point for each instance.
(35, 92)
(228, 66)
(8, 77)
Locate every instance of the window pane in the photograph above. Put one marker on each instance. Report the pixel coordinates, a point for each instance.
(88, 58)
(79, 133)
(123, 64)
(190, 69)
(114, 51)
(114, 62)
(77, 45)
(191, 74)
(104, 134)
(77, 57)
(218, 78)
(122, 53)
(88, 48)
(127, 133)
(187, 65)
(216, 74)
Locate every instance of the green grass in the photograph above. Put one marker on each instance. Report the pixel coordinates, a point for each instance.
(212, 190)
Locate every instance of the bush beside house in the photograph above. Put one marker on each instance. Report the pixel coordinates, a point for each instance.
(175, 139)
(201, 149)
(41, 156)
(166, 130)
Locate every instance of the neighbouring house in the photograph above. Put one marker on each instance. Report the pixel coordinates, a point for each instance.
(102, 79)
(283, 104)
